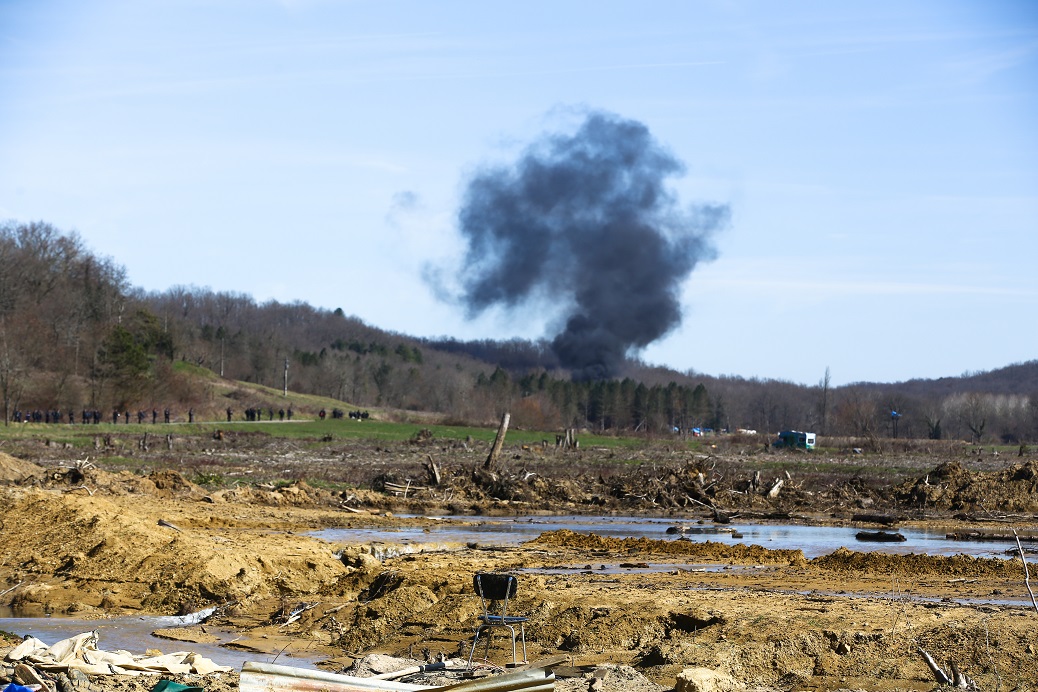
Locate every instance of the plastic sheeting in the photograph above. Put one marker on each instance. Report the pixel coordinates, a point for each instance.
(81, 652)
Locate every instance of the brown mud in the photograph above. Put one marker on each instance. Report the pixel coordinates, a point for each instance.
(80, 539)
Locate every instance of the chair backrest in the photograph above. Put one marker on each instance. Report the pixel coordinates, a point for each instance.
(495, 586)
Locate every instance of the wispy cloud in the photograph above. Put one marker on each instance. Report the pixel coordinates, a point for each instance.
(980, 66)
(821, 279)
(834, 287)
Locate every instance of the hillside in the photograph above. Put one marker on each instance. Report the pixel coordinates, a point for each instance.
(75, 337)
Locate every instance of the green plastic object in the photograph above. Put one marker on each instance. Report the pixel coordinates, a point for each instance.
(170, 686)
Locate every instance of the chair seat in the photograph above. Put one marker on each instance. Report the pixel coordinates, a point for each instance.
(498, 620)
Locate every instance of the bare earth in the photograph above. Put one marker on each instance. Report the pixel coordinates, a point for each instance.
(91, 542)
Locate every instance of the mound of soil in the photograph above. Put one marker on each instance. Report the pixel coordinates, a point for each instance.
(951, 487)
(13, 470)
(74, 551)
(916, 566)
(708, 551)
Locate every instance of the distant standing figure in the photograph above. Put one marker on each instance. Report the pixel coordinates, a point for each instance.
(190, 415)
(229, 412)
(290, 413)
(281, 414)
(166, 414)
(154, 416)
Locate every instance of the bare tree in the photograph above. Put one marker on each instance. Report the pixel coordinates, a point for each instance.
(11, 372)
(974, 415)
(858, 411)
(823, 403)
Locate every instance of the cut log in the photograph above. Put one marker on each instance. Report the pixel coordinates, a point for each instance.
(880, 536)
(498, 442)
(433, 469)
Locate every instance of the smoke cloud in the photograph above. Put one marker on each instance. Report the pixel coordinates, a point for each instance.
(584, 222)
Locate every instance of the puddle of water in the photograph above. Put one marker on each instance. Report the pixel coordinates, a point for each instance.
(134, 634)
(814, 541)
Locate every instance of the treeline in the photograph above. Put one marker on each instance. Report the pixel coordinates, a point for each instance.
(66, 324)
(74, 334)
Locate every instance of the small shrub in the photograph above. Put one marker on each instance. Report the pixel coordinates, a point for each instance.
(209, 479)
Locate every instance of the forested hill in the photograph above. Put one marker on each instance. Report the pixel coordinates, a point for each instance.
(1018, 379)
(74, 334)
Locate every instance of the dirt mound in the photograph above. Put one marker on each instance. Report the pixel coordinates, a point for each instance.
(299, 494)
(161, 484)
(951, 487)
(919, 565)
(14, 470)
(373, 621)
(713, 552)
(73, 552)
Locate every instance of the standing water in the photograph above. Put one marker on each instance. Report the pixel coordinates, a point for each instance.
(814, 541)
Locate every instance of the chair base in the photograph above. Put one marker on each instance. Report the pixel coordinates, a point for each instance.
(485, 630)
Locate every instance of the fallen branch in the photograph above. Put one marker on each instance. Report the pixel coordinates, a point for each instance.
(7, 591)
(1027, 574)
(403, 488)
(298, 613)
(939, 675)
(410, 670)
(697, 502)
(163, 522)
(960, 679)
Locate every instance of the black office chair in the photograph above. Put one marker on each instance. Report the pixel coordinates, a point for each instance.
(497, 588)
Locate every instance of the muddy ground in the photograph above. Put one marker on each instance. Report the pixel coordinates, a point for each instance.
(132, 532)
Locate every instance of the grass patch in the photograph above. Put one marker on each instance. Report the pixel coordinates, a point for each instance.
(210, 480)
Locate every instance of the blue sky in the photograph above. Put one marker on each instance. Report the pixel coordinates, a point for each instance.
(880, 159)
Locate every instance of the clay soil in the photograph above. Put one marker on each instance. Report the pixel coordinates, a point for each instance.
(136, 533)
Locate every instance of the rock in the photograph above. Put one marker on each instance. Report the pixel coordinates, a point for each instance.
(706, 680)
(362, 561)
(26, 675)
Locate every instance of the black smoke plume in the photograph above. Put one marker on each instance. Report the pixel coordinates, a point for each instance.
(585, 223)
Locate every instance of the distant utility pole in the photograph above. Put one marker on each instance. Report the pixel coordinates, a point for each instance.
(286, 376)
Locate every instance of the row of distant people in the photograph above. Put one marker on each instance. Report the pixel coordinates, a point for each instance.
(254, 413)
(93, 416)
(339, 413)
